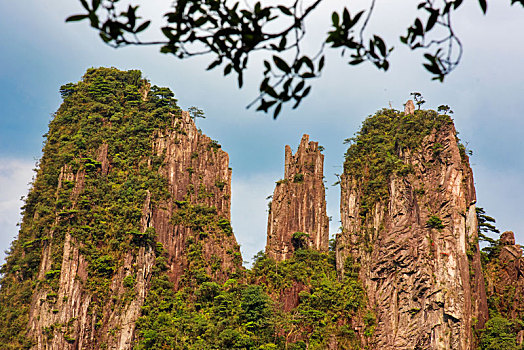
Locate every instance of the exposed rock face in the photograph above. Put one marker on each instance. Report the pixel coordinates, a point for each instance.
(505, 278)
(198, 174)
(299, 203)
(409, 108)
(413, 249)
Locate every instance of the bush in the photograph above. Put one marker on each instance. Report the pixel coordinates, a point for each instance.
(129, 281)
(435, 222)
(498, 335)
(298, 178)
(299, 240)
(104, 266)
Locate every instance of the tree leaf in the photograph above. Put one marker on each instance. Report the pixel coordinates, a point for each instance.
(483, 5)
(227, 69)
(214, 64)
(106, 38)
(281, 64)
(240, 79)
(321, 63)
(356, 61)
(306, 92)
(282, 44)
(277, 110)
(335, 19)
(456, 4)
(284, 10)
(432, 20)
(299, 87)
(142, 27)
(75, 18)
(380, 44)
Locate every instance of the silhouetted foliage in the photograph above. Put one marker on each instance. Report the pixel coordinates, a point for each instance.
(231, 32)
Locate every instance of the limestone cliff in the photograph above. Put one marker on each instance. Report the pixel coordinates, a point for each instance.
(409, 221)
(298, 204)
(127, 188)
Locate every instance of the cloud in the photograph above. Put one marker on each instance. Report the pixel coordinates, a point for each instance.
(15, 175)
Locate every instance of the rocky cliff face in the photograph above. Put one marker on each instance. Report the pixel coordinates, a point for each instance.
(408, 218)
(505, 279)
(127, 188)
(126, 239)
(199, 208)
(299, 204)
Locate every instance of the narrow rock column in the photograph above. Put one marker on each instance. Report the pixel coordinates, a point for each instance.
(299, 204)
(505, 279)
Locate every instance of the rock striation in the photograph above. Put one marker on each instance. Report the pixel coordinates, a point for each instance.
(126, 240)
(146, 194)
(411, 226)
(409, 108)
(199, 180)
(298, 205)
(505, 278)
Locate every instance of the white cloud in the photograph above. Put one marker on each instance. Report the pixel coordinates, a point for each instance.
(15, 175)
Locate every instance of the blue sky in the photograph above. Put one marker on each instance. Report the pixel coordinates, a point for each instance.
(40, 53)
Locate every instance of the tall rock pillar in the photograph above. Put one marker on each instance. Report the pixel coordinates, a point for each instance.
(299, 204)
(408, 219)
(128, 192)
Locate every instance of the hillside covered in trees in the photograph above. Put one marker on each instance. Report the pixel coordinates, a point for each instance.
(126, 240)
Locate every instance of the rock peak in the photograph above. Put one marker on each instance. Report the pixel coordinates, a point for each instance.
(414, 233)
(409, 108)
(299, 204)
(507, 238)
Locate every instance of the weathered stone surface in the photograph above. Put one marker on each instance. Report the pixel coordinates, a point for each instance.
(419, 280)
(409, 108)
(507, 238)
(505, 278)
(197, 171)
(289, 296)
(299, 203)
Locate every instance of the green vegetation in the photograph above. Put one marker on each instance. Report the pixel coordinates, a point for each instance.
(298, 178)
(499, 334)
(73, 196)
(248, 312)
(97, 170)
(299, 240)
(486, 226)
(375, 153)
(435, 222)
(501, 330)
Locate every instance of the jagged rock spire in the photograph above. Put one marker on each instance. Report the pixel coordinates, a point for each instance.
(299, 204)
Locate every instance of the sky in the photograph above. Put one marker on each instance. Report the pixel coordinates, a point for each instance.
(40, 52)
